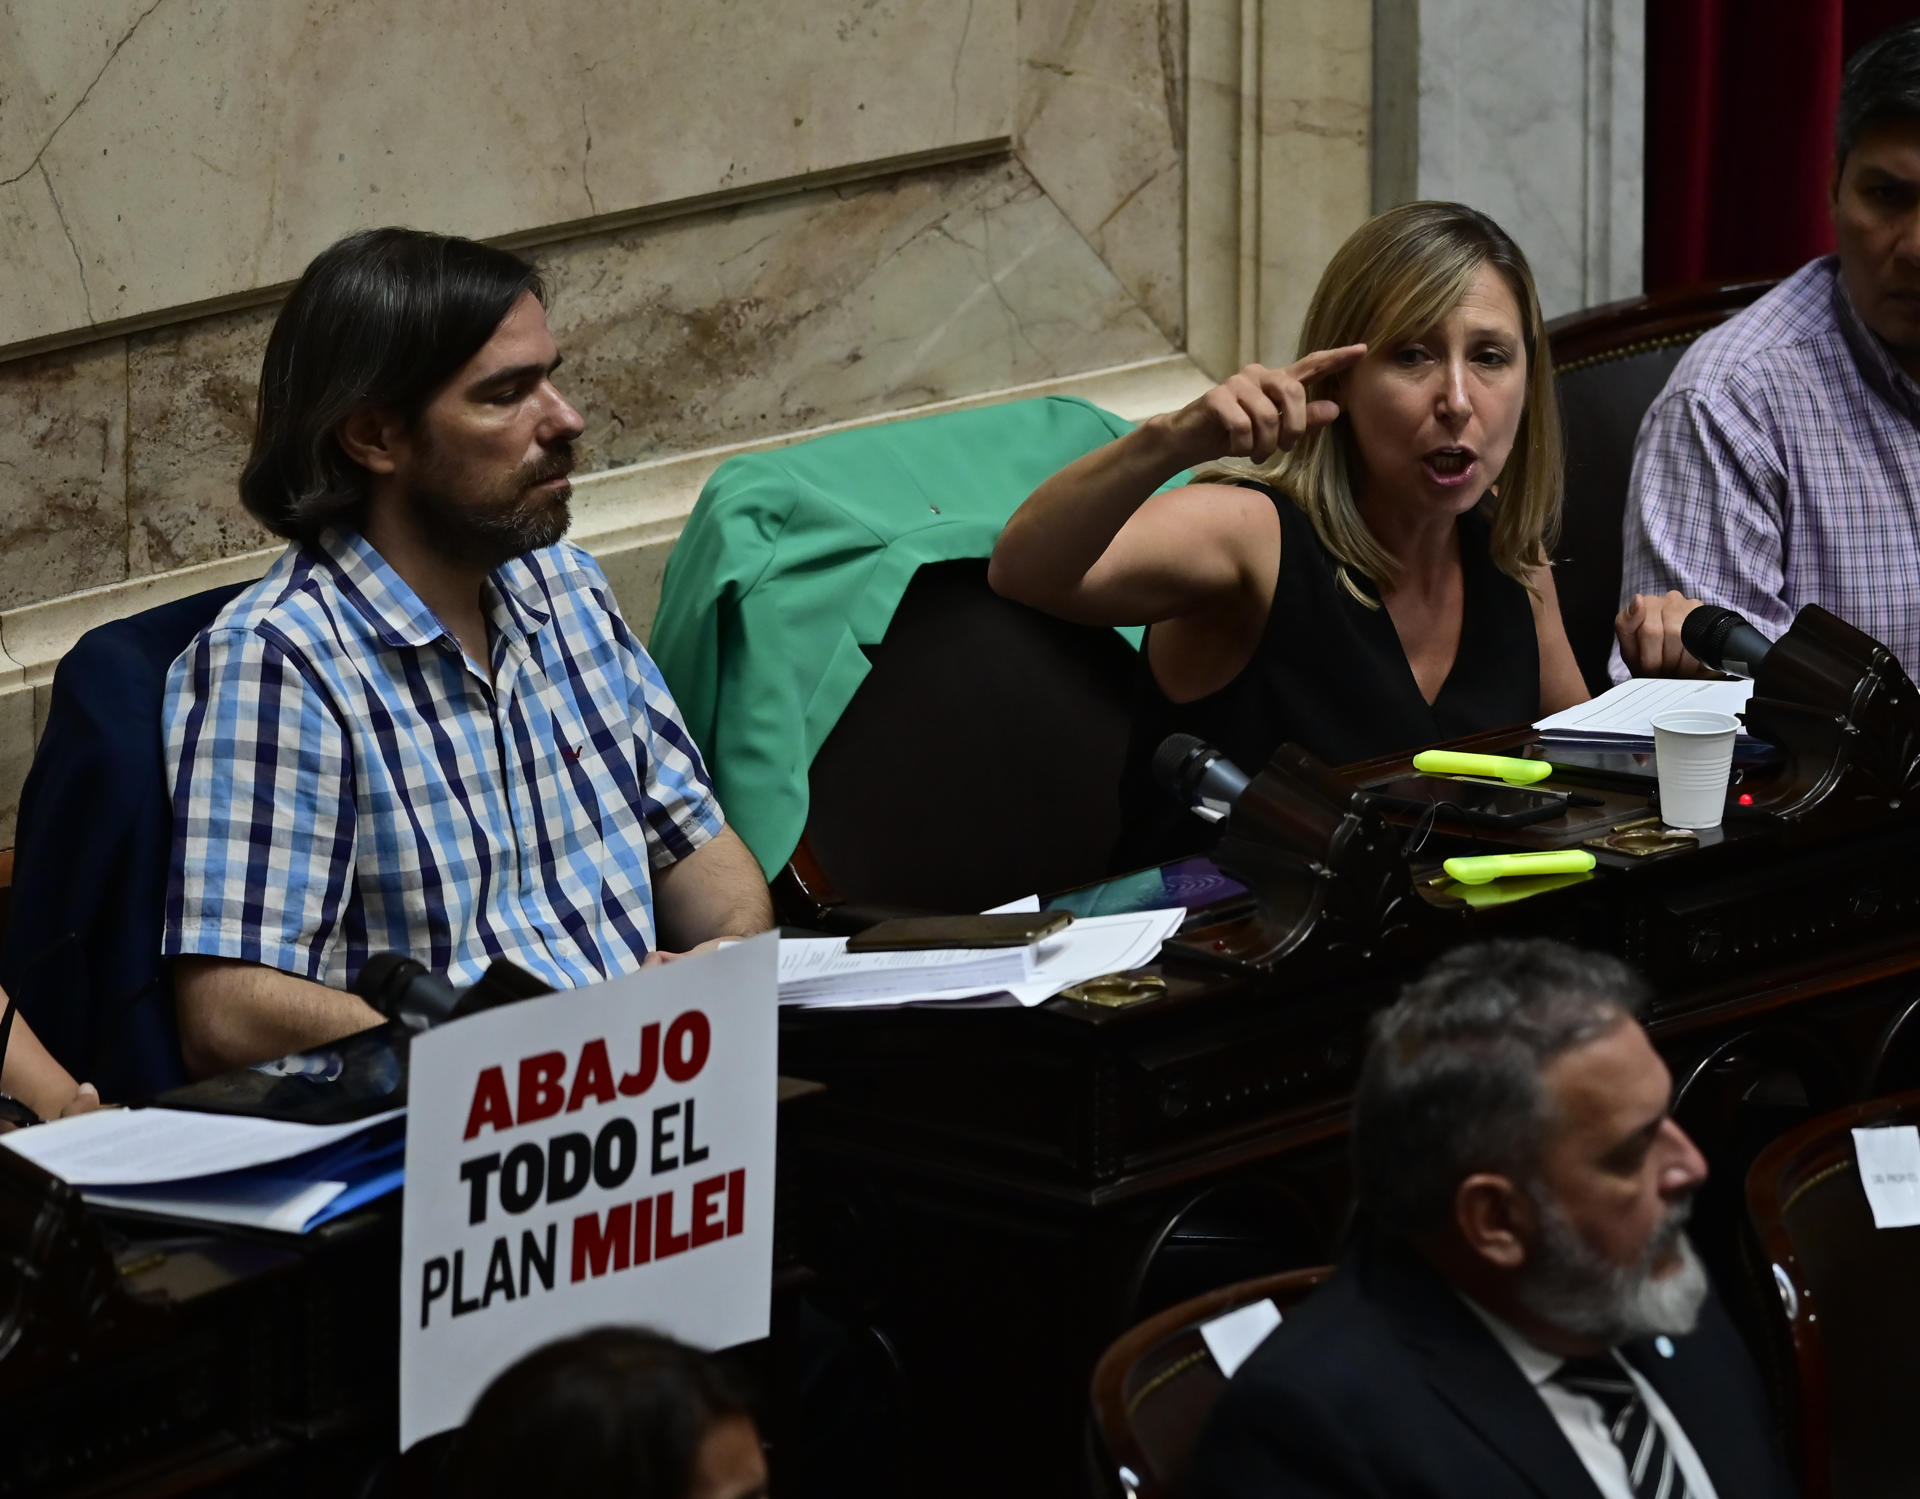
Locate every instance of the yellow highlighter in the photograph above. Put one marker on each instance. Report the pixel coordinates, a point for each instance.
(1477, 869)
(1514, 772)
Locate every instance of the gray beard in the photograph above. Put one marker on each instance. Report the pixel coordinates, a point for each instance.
(1570, 1287)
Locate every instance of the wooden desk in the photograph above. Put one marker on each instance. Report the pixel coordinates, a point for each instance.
(172, 1360)
(999, 1193)
(1002, 1192)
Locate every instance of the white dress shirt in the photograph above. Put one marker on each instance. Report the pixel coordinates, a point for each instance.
(1579, 1416)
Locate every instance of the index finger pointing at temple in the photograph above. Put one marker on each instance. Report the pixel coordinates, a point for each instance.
(1324, 362)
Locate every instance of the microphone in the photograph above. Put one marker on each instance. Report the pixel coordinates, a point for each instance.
(1724, 640)
(404, 989)
(401, 988)
(1198, 775)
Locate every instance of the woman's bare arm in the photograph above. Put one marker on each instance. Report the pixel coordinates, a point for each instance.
(1095, 544)
(1561, 685)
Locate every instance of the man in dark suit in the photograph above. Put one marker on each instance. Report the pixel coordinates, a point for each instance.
(1523, 1315)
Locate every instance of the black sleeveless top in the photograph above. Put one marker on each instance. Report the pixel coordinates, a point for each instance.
(1329, 674)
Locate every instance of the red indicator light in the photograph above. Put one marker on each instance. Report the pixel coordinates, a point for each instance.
(1746, 798)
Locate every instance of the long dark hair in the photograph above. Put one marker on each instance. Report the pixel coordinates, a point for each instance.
(619, 1410)
(385, 316)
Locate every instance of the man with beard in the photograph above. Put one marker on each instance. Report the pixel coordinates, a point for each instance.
(1522, 1314)
(427, 729)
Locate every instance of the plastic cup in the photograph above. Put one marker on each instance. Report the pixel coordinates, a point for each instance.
(1693, 757)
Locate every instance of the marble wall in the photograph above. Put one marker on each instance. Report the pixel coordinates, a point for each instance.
(1533, 113)
(63, 472)
(132, 127)
(896, 203)
(755, 221)
(1279, 138)
(687, 333)
(689, 330)
(1102, 125)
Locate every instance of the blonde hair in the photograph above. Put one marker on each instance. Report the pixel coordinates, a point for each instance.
(1394, 279)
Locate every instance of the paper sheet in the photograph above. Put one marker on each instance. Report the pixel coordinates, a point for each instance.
(1890, 1173)
(1627, 711)
(1230, 1339)
(130, 1147)
(287, 1196)
(285, 1206)
(822, 968)
(1093, 945)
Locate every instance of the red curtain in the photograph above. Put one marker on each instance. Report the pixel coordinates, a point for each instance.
(1740, 103)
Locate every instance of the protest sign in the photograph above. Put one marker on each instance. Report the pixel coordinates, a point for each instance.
(603, 1155)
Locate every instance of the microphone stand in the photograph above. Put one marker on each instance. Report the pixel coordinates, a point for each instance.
(1837, 703)
(1321, 864)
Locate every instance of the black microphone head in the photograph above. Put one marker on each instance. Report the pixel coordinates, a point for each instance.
(503, 983)
(383, 979)
(1705, 630)
(1171, 759)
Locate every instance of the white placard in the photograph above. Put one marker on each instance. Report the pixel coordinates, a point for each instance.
(599, 1156)
(1890, 1173)
(1231, 1338)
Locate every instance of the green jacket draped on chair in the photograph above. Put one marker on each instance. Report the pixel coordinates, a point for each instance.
(796, 558)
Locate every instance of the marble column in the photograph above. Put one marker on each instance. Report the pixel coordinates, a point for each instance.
(1531, 110)
(1277, 149)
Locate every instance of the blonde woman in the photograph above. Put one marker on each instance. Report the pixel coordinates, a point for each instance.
(1377, 577)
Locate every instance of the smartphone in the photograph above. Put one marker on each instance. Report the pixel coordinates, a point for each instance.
(1483, 802)
(1196, 883)
(996, 929)
(1615, 769)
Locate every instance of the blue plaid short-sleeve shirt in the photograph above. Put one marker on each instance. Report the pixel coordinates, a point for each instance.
(346, 782)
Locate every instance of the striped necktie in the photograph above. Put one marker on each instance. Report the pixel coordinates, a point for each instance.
(1651, 1470)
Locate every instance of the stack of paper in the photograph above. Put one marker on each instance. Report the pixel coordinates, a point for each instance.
(821, 968)
(1622, 717)
(221, 1168)
(1092, 946)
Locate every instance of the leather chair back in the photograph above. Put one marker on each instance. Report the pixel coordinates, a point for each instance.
(1154, 1388)
(978, 762)
(81, 951)
(1610, 363)
(1846, 1328)
(1734, 1099)
(1894, 1064)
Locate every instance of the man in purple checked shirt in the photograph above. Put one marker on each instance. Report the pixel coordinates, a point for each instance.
(1781, 465)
